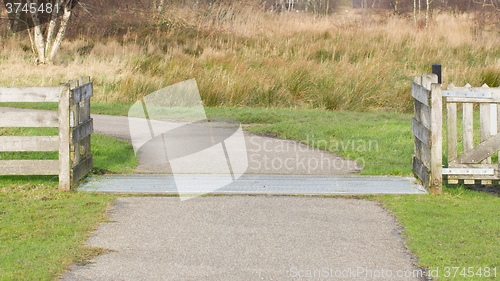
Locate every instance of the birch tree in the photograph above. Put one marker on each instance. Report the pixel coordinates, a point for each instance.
(46, 22)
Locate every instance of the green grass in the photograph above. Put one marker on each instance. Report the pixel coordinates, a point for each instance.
(381, 141)
(43, 230)
(460, 228)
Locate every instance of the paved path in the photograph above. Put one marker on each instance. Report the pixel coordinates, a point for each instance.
(247, 238)
(265, 155)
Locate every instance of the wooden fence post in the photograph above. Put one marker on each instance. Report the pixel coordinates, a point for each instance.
(64, 145)
(436, 180)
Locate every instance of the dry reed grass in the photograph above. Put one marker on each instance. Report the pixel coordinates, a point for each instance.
(245, 56)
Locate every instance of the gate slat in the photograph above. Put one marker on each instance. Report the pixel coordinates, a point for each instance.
(484, 125)
(421, 132)
(29, 167)
(468, 129)
(420, 93)
(481, 151)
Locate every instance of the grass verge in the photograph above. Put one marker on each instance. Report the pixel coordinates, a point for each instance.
(457, 229)
(42, 230)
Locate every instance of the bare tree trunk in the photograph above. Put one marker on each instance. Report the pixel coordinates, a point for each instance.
(38, 35)
(415, 11)
(62, 30)
(427, 14)
(51, 28)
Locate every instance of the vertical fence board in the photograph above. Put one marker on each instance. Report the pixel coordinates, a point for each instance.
(64, 145)
(484, 125)
(485, 129)
(437, 137)
(468, 130)
(452, 136)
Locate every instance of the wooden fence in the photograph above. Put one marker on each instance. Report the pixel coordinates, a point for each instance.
(469, 158)
(473, 162)
(72, 119)
(427, 129)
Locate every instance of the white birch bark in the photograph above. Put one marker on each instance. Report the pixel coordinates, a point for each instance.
(51, 28)
(62, 30)
(38, 35)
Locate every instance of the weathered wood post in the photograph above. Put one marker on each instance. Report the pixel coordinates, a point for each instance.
(64, 144)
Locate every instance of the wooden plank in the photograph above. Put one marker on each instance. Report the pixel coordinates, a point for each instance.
(421, 171)
(481, 151)
(64, 144)
(82, 93)
(74, 111)
(471, 100)
(468, 131)
(29, 167)
(82, 130)
(472, 178)
(417, 79)
(484, 125)
(29, 94)
(29, 119)
(85, 146)
(421, 132)
(423, 114)
(467, 94)
(451, 132)
(32, 143)
(428, 79)
(436, 177)
(493, 119)
(468, 171)
(420, 93)
(473, 166)
(82, 169)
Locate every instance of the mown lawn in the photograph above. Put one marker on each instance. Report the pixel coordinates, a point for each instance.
(43, 230)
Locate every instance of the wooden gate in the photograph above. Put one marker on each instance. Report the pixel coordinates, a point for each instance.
(473, 161)
(72, 119)
(471, 157)
(427, 130)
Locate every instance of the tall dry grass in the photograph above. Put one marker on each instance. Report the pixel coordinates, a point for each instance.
(245, 56)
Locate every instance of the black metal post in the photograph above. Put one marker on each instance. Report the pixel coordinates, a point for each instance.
(436, 69)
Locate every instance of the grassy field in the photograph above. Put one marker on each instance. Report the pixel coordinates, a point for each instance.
(350, 61)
